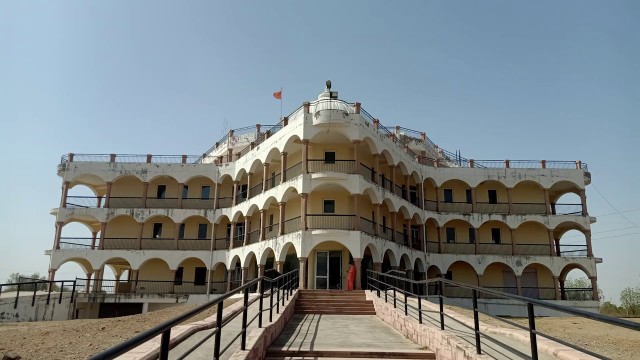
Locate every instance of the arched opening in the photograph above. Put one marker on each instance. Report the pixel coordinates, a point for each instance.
(571, 240)
(222, 233)
(433, 235)
(79, 234)
(565, 199)
(537, 282)
(155, 277)
(194, 233)
(499, 277)
(272, 213)
(430, 194)
(256, 178)
(459, 237)
(191, 277)
(84, 195)
(389, 261)
(433, 272)
(115, 277)
(366, 210)
(234, 275)
(386, 171)
(366, 149)
(492, 197)
(532, 238)
(253, 230)
(225, 192)
(528, 198)
(268, 260)
(250, 267)
(219, 279)
(198, 193)
(415, 233)
(292, 210)
(369, 257)
(494, 237)
(328, 265)
(576, 285)
(272, 167)
(241, 185)
(162, 193)
(330, 206)
(331, 152)
(455, 196)
(122, 233)
(288, 259)
(460, 272)
(405, 264)
(237, 229)
(126, 192)
(158, 233)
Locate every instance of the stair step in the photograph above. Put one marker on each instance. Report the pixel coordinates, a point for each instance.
(356, 307)
(331, 312)
(349, 354)
(334, 302)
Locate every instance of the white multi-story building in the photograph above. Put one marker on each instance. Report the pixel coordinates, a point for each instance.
(327, 186)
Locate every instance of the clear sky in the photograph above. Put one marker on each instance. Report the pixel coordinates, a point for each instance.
(494, 79)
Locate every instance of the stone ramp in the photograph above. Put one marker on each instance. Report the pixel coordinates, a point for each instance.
(308, 336)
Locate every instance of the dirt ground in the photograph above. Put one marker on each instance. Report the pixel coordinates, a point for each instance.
(79, 339)
(607, 340)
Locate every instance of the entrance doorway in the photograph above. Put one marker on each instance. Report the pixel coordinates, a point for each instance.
(328, 270)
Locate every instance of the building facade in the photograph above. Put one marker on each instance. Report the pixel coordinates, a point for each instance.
(327, 186)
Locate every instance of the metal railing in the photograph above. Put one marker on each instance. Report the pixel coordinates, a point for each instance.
(528, 208)
(194, 244)
(459, 207)
(293, 172)
(397, 289)
(273, 181)
(339, 166)
(367, 226)
(254, 236)
(330, 221)
(566, 209)
(120, 243)
(282, 287)
(271, 231)
(221, 243)
(84, 202)
(489, 208)
(291, 225)
(149, 287)
(256, 189)
(367, 173)
(573, 250)
(33, 286)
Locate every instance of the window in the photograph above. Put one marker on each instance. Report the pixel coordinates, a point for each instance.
(239, 230)
(329, 207)
(181, 231)
(185, 192)
(451, 234)
(202, 231)
(472, 235)
(448, 195)
(157, 230)
(384, 224)
(242, 191)
(469, 196)
(200, 277)
(177, 280)
(161, 193)
(495, 235)
(493, 197)
(206, 191)
(329, 157)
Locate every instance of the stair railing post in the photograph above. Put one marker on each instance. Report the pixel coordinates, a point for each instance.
(164, 344)
(51, 285)
(35, 290)
(378, 284)
(61, 291)
(532, 332)
(218, 336)
(440, 292)
(261, 301)
(278, 297)
(385, 288)
(15, 304)
(284, 290)
(476, 322)
(419, 309)
(271, 303)
(394, 297)
(245, 308)
(73, 292)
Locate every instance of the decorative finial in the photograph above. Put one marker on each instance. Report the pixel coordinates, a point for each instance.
(328, 84)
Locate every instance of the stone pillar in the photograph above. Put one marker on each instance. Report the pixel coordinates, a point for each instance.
(216, 195)
(94, 237)
(87, 285)
(246, 231)
(547, 202)
(519, 284)
(176, 236)
(140, 235)
(303, 273)
(99, 202)
(357, 262)
(65, 192)
(440, 229)
(283, 167)
(56, 240)
(583, 200)
(145, 190)
(180, 191)
(232, 234)
(513, 241)
(280, 266)
(303, 210)
(265, 176)
(235, 193)
(474, 200)
(556, 287)
(356, 220)
(230, 273)
(103, 234)
(587, 236)
(377, 267)
(510, 199)
(249, 184)
(97, 280)
(356, 155)
(376, 168)
(551, 243)
(107, 198)
(305, 156)
(281, 218)
(594, 288)
(263, 215)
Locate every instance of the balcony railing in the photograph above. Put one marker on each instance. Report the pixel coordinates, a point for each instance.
(385, 183)
(367, 173)
(238, 240)
(225, 202)
(367, 226)
(68, 245)
(459, 207)
(529, 208)
(120, 243)
(339, 166)
(254, 236)
(430, 205)
(402, 238)
(399, 191)
(458, 248)
(158, 244)
(292, 225)
(542, 293)
(566, 209)
(294, 171)
(271, 231)
(167, 203)
(432, 247)
(533, 249)
(500, 249)
(330, 221)
(241, 197)
(126, 202)
(221, 243)
(385, 233)
(573, 250)
(489, 208)
(197, 203)
(194, 244)
(151, 287)
(83, 202)
(273, 181)
(255, 190)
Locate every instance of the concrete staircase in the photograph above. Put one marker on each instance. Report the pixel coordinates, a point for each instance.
(333, 302)
(273, 354)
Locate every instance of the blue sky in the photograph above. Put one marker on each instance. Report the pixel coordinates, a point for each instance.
(552, 80)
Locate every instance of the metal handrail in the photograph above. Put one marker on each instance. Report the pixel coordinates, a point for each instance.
(374, 282)
(36, 283)
(285, 283)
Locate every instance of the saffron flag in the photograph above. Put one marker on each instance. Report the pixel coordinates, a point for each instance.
(278, 95)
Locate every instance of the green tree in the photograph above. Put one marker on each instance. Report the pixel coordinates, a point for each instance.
(630, 300)
(16, 278)
(579, 289)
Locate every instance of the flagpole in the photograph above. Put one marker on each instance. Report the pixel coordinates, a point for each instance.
(280, 103)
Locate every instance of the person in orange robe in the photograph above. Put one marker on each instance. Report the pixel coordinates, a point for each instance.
(351, 278)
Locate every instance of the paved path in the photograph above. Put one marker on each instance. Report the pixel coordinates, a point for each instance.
(229, 331)
(341, 332)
